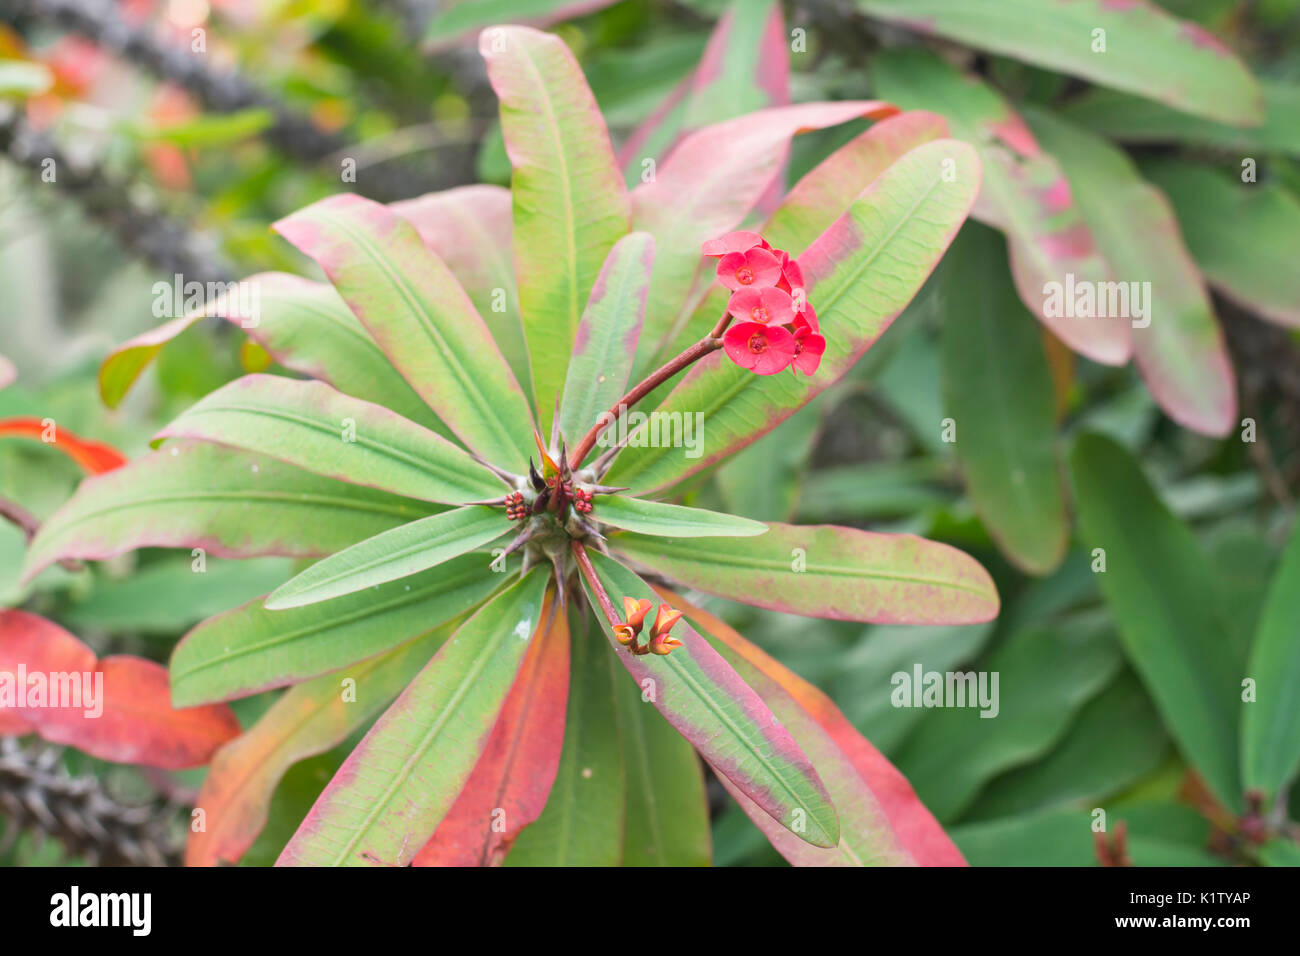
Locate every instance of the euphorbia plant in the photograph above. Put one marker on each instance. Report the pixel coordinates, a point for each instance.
(490, 579)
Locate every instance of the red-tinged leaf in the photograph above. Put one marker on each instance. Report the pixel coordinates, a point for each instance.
(232, 504)
(512, 779)
(607, 336)
(422, 319)
(316, 428)
(117, 709)
(388, 798)
(93, 457)
(745, 67)
(470, 228)
(725, 720)
(1024, 193)
(713, 178)
(1177, 343)
(828, 571)
(825, 191)
(1144, 49)
(570, 202)
(303, 325)
(914, 827)
(861, 272)
(307, 720)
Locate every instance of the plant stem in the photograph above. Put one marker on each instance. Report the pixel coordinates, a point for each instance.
(710, 343)
(588, 572)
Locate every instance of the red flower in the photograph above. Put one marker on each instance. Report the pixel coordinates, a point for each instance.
(757, 267)
(763, 349)
(808, 350)
(807, 319)
(792, 281)
(734, 242)
(768, 306)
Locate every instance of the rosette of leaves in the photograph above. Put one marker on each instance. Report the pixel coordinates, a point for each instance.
(463, 597)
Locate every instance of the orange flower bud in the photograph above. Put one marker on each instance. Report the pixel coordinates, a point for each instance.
(624, 634)
(635, 611)
(664, 620)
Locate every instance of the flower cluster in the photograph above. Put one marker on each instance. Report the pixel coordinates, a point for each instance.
(776, 327)
(661, 642)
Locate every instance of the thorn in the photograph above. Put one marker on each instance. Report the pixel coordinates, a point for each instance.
(566, 470)
(520, 539)
(601, 464)
(539, 484)
(608, 489)
(510, 480)
(541, 501)
(490, 502)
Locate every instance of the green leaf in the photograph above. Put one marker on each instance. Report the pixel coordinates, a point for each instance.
(703, 697)
(998, 390)
(229, 503)
(583, 822)
(309, 719)
(311, 425)
(607, 336)
(389, 796)
(392, 555)
(1161, 591)
(1158, 834)
(1239, 234)
(1177, 343)
(666, 815)
(570, 202)
(1024, 192)
(1146, 50)
(1270, 728)
(164, 598)
(1131, 119)
(249, 648)
(1044, 675)
(852, 770)
(1116, 740)
(421, 318)
(660, 518)
(861, 272)
(304, 325)
(827, 571)
(469, 228)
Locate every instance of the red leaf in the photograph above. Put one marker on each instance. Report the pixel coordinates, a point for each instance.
(119, 709)
(512, 779)
(94, 457)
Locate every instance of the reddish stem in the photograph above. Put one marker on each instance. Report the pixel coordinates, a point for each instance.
(588, 572)
(652, 381)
